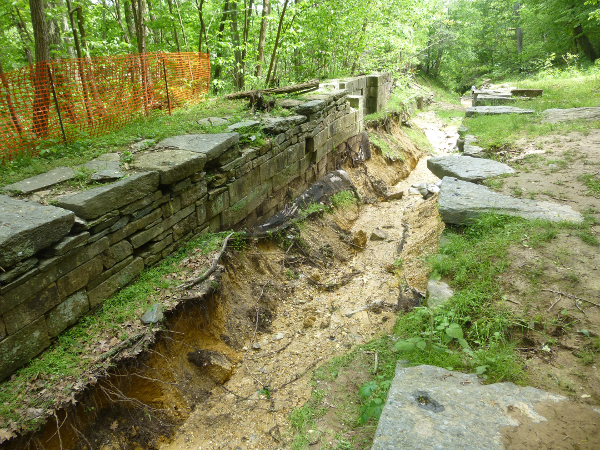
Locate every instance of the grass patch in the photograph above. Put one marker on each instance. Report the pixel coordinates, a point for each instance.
(156, 127)
(449, 115)
(418, 137)
(343, 199)
(592, 182)
(72, 353)
(441, 92)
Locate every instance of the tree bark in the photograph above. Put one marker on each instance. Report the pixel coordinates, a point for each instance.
(41, 101)
(181, 25)
(120, 22)
(11, 107)
(26, 39)
(238, 75)
(262, 37)
(129, 19)
(218, 67)
(54, 36)
(310, 85)
(175, 36)
(584, 43)
(276, 42)
(202, 32)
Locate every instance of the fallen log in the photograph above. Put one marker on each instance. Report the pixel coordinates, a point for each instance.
(302, 87)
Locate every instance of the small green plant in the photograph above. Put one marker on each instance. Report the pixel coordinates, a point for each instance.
(592, 182)
(343, 199)
(374, 394)
(266, 391)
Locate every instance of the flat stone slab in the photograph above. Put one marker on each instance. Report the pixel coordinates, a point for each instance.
(212, 145)
(492, 110)
(430, 408)
(561, 115)
(95, 202)
(527, 92)
(173, 165)
(467, 168)
(97, 165)
(289, 103)
(276, 125)
(244, 124)
(27, 227)
(461, 202)
(490, 100)
(311, 107)
(42, 181)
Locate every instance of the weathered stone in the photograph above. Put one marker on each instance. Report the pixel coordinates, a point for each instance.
(109, 157)
(28, 311)
(82, 225)
(438, 293)
(461, 202)
(493, 110)
(95, 202)
(109, 273)
(42, 181)
(153, 314)
(107, 175)
(433, 408)
(171, 207)
(310, 107)
(561, 115)
(180, 229)
(2, 329)
(144, 236)
(275, 125)
(243, 124)
(19, 348)
(113, 284)
(173, 165)
(66, 244)
(79, 277)
(462, 131)
(467, 168)
(18, 270)
(245, 206)
(212, 122)
(379, 235)
(27, 227)
(64, 265)
(492, 100)
(527, 92)
(211, 145)
(289, 103)
(98, 165)
(217, 366)
(67, 313)
(194, 193)
(116, 253)
(360, 239)
(134, 226)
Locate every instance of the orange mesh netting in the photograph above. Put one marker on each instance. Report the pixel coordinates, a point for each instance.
(94, 95)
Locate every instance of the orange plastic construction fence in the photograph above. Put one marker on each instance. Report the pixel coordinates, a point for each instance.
(69, 99)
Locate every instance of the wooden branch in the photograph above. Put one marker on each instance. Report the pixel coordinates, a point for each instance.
(572, 296)
(308, 86)
(212, 268)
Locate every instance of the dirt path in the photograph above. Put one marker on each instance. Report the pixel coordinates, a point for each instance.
(312, 324)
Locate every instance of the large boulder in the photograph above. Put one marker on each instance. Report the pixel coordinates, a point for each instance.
(27, 227)
(467, 168)
(429, 407)
(461, 202)
(562, 115)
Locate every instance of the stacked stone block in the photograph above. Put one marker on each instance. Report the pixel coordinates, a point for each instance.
(59, 262)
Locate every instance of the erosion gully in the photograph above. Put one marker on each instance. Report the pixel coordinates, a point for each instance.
(276, 316)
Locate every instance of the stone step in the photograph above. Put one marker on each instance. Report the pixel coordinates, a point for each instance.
(494, 110)
(492, 100)
(561, 115)
(527, 92)
(467, 168)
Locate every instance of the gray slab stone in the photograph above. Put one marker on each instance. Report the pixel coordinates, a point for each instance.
(212, 145)
(491, 100)
(474, 151)
(493, 110)
(107, 175)
(95, 202)
(98, 165)
(17, 271)
(438, 293)
(67, 313)
(430, 408)
(462, 131)
(66, 244)
(561, 115)
(19, 348)
(467, 168)
(527, 92)
(289, 103)
(461, 202)
(311, 107)
(243, 124)
(173, 165)
(27, 227)
(109, 157)
(42, 181)
(275, 125)
(153, 314)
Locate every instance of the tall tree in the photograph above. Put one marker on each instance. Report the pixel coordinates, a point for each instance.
(41, 102)
(262, 37)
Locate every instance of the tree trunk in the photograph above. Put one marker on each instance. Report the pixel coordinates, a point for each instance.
(54, 38)
(584, 43)
(220, 38)
(155, 33)
(247, 14)
(129, 19)
(262, 37)
(276, 42)
(41, 101)
(11, 108)
(80, 62)
(120, 22)
(181, 25)
(175, 36)
(26, 39)
(238, 75)
(64, 28)
(202, 32)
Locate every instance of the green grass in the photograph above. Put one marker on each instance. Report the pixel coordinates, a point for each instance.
(156, 126)
(448, 114)
(440, 91)
(418, 137)
(343, 199)
(592, 182)
(68, 356)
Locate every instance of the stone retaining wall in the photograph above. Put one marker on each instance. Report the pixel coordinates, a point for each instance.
(62, 261)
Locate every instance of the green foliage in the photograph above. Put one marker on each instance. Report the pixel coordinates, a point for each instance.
(592, 182)
(343, 199)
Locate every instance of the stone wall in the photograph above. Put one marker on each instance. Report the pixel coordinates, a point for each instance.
(372, 91)
(62, 261)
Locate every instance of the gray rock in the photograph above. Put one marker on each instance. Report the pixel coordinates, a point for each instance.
(379, 235)
(212, 122)
(461, 202)
(492, 110)
(173, 165)
(217, 365)
(462, 131)
(212, 145)
(109, 157)
(66, 244)
(413, 191)
(141, 145)
(527, 92)
(394, 196)
(256, 346)
(430, 408)
(27, 227)
(474, 151)
(98, 165)
(42, 181)
(153, 314)
(279, 336)
(95, 202)
(67, 313)
(562, 115)
(243, 124)
(19, 348)
(311, 107)
(466, 168)
(433, 189)
(289, 103)
(18, 270)
(276, 125)
(107, 175)
(491, 100)
(438, 293)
